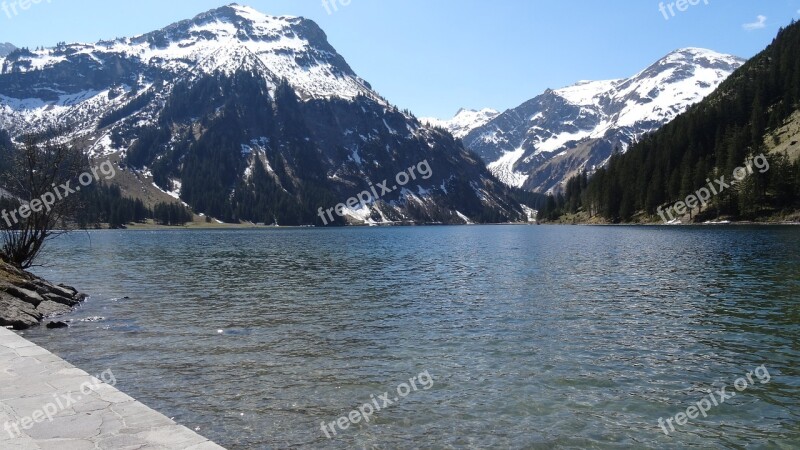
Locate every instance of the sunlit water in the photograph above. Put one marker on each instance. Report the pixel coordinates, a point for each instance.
(536, 337)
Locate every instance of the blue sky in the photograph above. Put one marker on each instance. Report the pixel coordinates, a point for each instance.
(435, 56)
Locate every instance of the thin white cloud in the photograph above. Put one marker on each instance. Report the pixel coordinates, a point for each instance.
(761, 22)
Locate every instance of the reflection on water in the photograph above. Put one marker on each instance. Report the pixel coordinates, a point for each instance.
(537, 337)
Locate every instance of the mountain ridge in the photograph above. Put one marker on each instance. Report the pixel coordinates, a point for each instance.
(556, 135)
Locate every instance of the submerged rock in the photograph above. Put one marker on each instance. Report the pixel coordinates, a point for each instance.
(56, 325)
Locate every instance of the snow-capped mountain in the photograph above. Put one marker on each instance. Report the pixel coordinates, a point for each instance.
(464, 121)
(6, 48)
(556, 135)
(246, 116)
(223, 40)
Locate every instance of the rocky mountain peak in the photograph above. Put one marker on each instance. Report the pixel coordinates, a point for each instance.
(546, 140)
(464, 121)
(6, 48)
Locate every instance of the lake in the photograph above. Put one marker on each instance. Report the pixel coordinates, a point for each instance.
(534, 337)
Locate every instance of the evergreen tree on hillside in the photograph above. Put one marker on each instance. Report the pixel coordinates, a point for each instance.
(171, 214)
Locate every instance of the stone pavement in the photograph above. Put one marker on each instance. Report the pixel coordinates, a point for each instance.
(46, 403)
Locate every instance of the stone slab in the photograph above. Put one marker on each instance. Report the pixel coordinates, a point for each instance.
(46, 403)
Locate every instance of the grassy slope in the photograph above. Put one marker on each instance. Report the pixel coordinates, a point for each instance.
(786, 139)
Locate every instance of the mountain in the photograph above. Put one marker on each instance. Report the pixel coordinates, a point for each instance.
(245, 116)
(464, 121)
(738, 150)
(6, 48)
(560, 133)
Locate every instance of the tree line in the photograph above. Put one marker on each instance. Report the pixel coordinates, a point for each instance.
(105, 204)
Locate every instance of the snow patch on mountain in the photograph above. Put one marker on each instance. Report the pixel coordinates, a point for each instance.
(658, 93)
(464, 121)
(587, 92)
(224, 39)
(503, 168)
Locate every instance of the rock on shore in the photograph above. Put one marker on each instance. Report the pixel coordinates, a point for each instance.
(26, 300)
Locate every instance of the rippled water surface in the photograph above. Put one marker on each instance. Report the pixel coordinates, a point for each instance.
(536, 337)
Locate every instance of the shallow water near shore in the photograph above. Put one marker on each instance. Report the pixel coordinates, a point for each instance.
(536, 337)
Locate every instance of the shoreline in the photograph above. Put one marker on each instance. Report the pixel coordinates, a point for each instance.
(27, 300)
(93, 413)
(238, 227)
(678, 225)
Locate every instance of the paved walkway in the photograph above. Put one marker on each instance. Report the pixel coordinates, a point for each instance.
(46, 403)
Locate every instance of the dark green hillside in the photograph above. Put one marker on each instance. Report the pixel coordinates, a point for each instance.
(708, 142)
